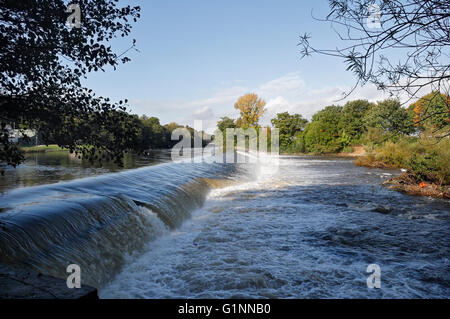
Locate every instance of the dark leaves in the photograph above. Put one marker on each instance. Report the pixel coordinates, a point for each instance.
(41, 63)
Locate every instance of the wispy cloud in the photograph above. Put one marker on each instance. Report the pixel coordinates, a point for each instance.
(290, 83)
(286, 93)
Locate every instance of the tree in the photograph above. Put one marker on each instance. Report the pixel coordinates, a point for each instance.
(322, 134)
(413, 32)
(152, 133)
(42, 60)
(239, 122)
(391, 117)
(351, 122)
(224, 123)
(288, 126)
(432, 112)
(251, 108)
(168, 129)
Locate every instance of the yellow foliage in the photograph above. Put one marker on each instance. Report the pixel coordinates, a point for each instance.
(430, 108)
(251, 108)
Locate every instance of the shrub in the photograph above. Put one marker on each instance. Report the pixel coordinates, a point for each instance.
(426, 158)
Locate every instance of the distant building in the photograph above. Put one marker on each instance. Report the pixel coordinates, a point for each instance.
(15, 135)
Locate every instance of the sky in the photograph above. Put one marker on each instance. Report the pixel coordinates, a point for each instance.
(196, 57)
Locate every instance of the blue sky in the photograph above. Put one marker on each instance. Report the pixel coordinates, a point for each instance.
(197, 57)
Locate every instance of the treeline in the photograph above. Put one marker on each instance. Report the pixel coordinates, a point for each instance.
(336, 128)
(140, 134)
(152, 135)
(415, 138)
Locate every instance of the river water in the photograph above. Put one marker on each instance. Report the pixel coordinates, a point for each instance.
(300, 227)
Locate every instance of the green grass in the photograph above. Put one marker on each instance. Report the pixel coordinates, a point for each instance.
(426, 158)
(42, 148)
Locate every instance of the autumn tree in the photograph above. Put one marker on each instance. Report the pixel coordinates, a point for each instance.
(251, 108)
(42, 62)
(432, 112)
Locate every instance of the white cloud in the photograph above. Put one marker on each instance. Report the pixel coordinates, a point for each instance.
(203, 113)
(221, 97)
(286, 93)
(286, 84)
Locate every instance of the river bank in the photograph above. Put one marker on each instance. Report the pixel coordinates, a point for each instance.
(42, 148)
(357, 151)
(424, 165)
(407, 182)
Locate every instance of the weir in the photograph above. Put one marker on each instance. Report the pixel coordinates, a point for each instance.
(98, 222)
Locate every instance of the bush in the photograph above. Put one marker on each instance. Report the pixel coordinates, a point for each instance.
(426, 158)
(395, 154)
(423, 167)
(373, 138)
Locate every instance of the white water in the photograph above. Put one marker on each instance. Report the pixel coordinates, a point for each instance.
(306, 230)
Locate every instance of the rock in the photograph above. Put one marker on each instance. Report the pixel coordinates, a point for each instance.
(382, 210)
(19, 283)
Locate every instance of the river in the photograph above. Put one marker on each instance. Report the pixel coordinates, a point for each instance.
(300, 227)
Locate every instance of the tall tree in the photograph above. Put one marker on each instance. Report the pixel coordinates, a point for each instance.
(391, 117)
(42, 60)
(322, 134)
(288, 126)
(251, 108)
(351, 122)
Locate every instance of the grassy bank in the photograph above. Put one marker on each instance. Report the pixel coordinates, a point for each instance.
(42, 149)
(426, 161)
(354, 151)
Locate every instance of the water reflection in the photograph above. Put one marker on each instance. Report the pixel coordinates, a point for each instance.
(53, 167)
